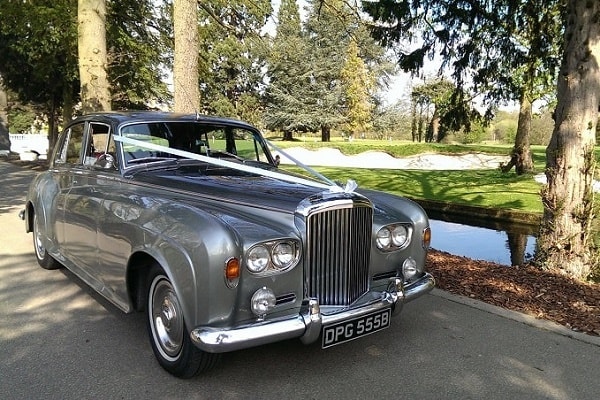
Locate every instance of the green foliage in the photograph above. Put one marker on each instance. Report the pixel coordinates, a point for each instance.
(439, 96)
(232, 56)
(475, 134)
(289, 74)
(21, 119)
(358, 85)
(307, 90)
(502, 48)
(504, 127)
(137, 35)
(38, 43)
(541, 128)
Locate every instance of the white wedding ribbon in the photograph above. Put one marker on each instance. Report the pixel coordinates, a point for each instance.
(241, 167)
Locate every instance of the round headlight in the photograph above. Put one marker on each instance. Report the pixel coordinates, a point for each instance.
(258, 259)
(399, 235)
(384, 238)
(283, 255)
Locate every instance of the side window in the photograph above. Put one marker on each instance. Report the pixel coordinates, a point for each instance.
(70, 149)
(101, 149)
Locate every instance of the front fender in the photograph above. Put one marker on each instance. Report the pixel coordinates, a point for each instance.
(192, 246)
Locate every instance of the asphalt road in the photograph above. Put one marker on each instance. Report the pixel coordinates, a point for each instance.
(58, 340)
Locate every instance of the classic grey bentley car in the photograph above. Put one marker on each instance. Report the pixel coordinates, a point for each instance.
(193, 220)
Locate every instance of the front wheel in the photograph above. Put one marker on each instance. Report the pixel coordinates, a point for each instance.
(44, 259)
(170, 340)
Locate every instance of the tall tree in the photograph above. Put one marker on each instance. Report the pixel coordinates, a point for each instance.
(288, 74)
(38, 43)
(437, 95)
(565, 243)
(93, 59)
(140, 49)
(358, 85)
(233, 56)
(185, 64)
(474, 37)
(329, 26)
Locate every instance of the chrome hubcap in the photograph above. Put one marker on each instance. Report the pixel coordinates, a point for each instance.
(167, 318)
(40, 250)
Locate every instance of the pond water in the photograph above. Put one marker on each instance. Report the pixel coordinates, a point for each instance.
(507, 245)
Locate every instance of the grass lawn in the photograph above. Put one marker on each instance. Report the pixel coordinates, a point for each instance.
(483, 188)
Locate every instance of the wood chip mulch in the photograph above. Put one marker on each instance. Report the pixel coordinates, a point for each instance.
(525, 289)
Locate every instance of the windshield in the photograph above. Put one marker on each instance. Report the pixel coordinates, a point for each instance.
(169, 140)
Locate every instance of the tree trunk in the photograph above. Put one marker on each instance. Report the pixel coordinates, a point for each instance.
(521, 154)
(185, 62)
(52, 127)
(95, 89)
(325, 133)
(564, 242)
(413, 124)
(287, 135)
(4, 136)
(434, 127)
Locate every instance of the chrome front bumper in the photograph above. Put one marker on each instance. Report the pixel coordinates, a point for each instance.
(307, 324)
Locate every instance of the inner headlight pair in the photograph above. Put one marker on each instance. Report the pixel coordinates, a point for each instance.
(393, 237)
(273, 256)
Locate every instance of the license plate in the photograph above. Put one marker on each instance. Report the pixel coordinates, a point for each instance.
(355, 328)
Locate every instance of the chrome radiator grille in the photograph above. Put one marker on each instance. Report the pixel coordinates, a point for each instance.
(337, 253)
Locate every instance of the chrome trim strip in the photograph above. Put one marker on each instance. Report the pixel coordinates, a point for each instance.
(306, 325)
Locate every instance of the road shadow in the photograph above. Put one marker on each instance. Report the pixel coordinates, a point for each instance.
(15, 177)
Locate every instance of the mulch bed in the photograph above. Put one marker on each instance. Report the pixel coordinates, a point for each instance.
(526, 289)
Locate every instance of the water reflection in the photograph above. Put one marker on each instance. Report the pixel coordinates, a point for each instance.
(507, 244)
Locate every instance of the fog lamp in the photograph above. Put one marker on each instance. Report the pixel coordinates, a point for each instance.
(409, 268)
(263, 300)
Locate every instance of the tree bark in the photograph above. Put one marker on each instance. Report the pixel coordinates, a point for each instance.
(564, 242)
(185, 62)
(95, 89)
(325, 133)
(413, 122)
(521, 157)
(287, 135)
(4, 136)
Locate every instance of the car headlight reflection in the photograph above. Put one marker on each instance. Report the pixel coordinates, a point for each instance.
(399, 235)
(384, 238)
(258, 259)
(393, 237)
(273, 256)
(283, 255)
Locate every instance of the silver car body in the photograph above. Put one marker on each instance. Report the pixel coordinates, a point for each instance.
(192, 212)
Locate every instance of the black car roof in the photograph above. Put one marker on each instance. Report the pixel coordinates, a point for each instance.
(121, 117)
